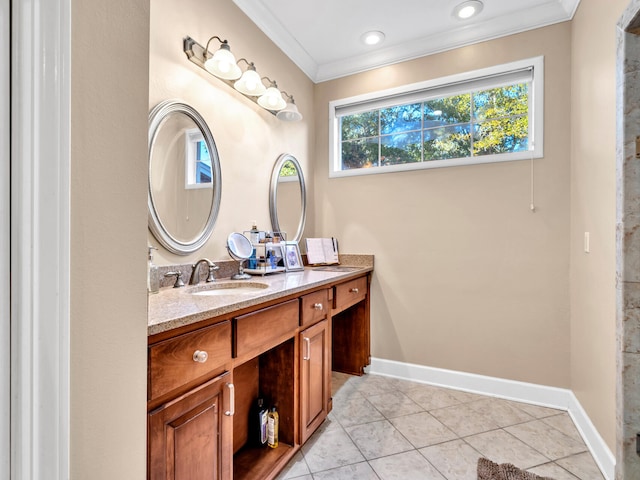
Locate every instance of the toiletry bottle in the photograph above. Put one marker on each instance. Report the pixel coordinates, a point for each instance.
(254, 234)
(153, 280)
(272, 428)
(263, 414)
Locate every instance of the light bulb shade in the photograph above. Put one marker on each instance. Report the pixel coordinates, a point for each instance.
(289, 113)
(272, 99)
(250, 83)
(223, 64)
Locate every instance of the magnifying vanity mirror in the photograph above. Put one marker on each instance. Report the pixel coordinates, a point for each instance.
(240, 249)
(288, 197)
(184, 177)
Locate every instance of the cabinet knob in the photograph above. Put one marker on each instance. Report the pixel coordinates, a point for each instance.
(200, 356)
(318, 306)
(354, 290)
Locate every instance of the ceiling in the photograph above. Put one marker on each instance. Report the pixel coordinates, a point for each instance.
(323, 37)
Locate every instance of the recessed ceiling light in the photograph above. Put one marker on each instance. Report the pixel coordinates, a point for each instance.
(372, 38)
(468, 9)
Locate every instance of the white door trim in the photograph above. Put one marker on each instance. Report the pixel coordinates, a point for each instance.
(40, 236)
(5, 369)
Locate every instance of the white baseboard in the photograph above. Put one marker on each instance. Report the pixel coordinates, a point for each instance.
(542, 395)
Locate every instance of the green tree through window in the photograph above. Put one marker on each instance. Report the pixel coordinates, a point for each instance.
(484, 122)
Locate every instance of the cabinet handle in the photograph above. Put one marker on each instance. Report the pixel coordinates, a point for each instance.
(307, 343)
(354, 290)
(318, 306)
(200, 356)
(232, 400)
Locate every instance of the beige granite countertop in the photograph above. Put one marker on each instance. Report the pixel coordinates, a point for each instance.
(175, 307)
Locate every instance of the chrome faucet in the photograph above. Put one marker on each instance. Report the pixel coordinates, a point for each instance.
(195, 274)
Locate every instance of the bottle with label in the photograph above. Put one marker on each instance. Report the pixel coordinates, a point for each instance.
(254, 234)
(272, 428)
(259, 422)
(153, 278)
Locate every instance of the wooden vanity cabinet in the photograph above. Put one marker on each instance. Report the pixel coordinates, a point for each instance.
(200, 405)
(190, 436)
(350, 337)
(315, 362)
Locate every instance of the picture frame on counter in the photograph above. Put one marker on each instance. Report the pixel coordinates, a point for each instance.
(292, 257)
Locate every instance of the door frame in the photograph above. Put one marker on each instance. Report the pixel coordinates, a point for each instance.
(40, 238)
(5, 332)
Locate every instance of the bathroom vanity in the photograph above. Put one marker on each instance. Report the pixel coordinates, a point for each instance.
(210, 356)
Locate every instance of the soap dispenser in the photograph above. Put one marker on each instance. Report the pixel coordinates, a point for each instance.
(153, 280)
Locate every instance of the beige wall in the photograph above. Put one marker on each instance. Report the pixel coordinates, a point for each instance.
(110, 84)
(467, 278)
(249, 139)
(593, 195)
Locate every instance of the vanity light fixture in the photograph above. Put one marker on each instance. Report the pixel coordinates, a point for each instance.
(289, 113)
(223, 65)
(272, 99)
(250, 83)
(468, 9)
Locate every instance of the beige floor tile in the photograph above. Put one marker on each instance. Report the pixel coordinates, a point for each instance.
(463, 420)
(394, 404)
(423, 429)
(296, 468)
(405, 466)
(338, 453)
(456, 460)
(331, 449)
(582, 466)
(537, 411)
(564, 423)
(430, 398)
(546, 439)
(501, 412)
(355, 410)
(552, 470)
(357, 471)
(501, 447)
(378, 439)
(374, 384)
(465, 397)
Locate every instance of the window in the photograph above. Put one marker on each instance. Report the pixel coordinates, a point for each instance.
(488, 115)
(198, 161)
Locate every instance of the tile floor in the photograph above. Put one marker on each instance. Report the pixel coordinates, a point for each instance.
(383, 428)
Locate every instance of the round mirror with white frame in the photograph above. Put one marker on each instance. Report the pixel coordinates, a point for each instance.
(288, 197)
(185, 181)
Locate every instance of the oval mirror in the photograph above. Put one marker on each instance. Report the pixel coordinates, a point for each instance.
(184, 177)
(288, 197)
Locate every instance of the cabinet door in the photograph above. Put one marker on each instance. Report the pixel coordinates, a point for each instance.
(315, 377)
(190, 437)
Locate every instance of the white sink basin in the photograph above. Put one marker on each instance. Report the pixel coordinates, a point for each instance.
(228, 288)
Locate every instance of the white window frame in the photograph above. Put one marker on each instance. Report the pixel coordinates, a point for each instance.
(451, 85)
(192, 137)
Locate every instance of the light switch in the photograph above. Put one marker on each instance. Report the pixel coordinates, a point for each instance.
(587, 246)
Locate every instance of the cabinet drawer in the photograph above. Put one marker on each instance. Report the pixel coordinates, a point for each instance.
(259, 331)
(350, 293)
(172, 364)
(314, 307)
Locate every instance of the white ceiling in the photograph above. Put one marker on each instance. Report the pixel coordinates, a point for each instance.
(323, 36)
